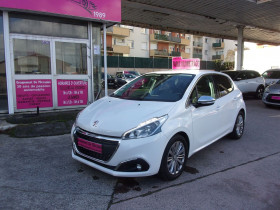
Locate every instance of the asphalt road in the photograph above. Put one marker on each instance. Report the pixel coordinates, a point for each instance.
(39, 173)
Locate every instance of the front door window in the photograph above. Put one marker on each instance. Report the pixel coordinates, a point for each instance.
(50, 72)
(71, 58)
(32, 56)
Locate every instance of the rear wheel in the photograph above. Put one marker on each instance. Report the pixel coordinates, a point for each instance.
(259, 92)
(174, 158)
(238, 126)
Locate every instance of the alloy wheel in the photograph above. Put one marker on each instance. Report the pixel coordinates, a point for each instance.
(176, 157)
(239, 125)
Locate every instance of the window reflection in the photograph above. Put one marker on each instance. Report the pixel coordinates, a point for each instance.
(43, 25)
(32, 56)
(71, 58)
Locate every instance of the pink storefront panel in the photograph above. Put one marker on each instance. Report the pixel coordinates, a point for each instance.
(108, 10)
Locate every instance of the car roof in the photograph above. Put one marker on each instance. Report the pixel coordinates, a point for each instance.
(195, 72)
(245, 70)
(272, 70)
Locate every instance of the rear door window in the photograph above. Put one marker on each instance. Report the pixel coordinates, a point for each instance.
(223, 85)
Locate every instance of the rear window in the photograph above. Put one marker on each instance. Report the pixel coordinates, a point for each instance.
(223, 84)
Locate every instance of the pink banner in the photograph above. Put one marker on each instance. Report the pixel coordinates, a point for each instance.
(72, 92)
(109, 10)
(34, 93)
(179, 63)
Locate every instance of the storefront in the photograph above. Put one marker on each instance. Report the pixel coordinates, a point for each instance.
(50, 52)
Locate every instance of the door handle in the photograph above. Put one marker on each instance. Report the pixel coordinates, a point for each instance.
(218, 107)
(235, 98)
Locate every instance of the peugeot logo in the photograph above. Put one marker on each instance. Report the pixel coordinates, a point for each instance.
(95, 123)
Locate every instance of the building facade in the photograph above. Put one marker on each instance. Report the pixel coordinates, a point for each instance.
(142, 42)
(51, 56)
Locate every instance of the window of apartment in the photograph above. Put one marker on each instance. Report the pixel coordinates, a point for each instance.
(219, 52)
(206, 52)
(188, 37)
(144, 46)
(168, 33)
(206, 40)
(157, 31)
(131, 43)
(153, 46)
(144, 31)
(188, 50)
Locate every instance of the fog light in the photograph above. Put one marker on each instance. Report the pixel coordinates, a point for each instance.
(139, 167)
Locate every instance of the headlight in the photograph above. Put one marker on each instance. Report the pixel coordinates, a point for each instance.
(266, 90)
(145, 129)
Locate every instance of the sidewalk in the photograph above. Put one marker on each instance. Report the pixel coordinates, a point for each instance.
(33, 125)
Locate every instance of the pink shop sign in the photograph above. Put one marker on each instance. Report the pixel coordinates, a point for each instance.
(34, 93)
(179, 63)
(108, 10)
(72, 92)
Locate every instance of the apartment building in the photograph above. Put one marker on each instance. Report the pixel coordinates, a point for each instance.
(141, 42)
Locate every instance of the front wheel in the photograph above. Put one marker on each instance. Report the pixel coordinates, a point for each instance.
(174, 158)
(238, 126)
(259, 92)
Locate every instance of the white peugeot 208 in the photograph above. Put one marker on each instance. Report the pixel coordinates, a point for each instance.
(154, 123)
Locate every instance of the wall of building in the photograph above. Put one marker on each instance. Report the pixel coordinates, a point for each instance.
(140, 37)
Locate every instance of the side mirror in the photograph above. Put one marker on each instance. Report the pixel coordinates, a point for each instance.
(205, 101)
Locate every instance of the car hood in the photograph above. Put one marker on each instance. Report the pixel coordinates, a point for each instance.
(112, 116)
(274, 88)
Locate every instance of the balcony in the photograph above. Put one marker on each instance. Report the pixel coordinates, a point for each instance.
(159, 53)
(218, 57)
(185, 42)
(195, 55)
(118, 31)
(185, 55)
(121, 49)
(197, 44)
(175, 54)
(218, 45)
(164, 38)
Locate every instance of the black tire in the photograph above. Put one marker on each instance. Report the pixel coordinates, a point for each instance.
(177, 162)
(259, 92)
(239, 125)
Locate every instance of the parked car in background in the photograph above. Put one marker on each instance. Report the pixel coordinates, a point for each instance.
(271, 76)
(136, 73)
(157, 121)
(123, 78)
(271, 94)
(248, 81)
(111, 81)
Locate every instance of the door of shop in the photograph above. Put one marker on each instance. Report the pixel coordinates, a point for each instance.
(50, 72)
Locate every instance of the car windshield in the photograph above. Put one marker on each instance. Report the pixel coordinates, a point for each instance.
(232, 74)
(136, 73)
(156, 87)
(129, 76)
(278, 82)
(271, 74)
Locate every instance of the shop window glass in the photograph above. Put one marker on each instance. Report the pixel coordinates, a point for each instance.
(71, 58)
(32, 56)
(3, 83)
(47, 26)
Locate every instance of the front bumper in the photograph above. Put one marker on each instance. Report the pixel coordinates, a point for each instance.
(132, 158)
(268, 99)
